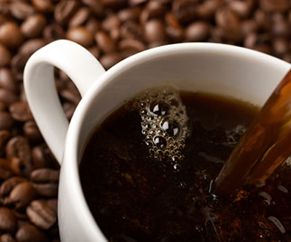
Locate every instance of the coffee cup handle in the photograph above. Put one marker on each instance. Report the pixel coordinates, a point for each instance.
(83, 69)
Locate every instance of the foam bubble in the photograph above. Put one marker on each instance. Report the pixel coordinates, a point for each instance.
(163, 123)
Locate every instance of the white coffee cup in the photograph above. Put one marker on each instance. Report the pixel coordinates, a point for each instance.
(199, 67)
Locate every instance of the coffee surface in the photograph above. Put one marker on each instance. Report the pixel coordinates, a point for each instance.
(137, 196)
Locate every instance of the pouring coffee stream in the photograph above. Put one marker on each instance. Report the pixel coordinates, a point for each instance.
(265, 146)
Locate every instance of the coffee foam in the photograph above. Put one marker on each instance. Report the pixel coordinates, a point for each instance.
(163, 123)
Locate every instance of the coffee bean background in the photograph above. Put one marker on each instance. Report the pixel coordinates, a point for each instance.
(111, 30)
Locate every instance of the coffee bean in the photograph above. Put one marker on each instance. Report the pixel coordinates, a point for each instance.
(132, 30)
(114, 3)
(104, 42)
(5, 56)
(229, 23)
(21, 195)
(79, 17)
(93, 25)
(8, 185)
(280, 45)
(41, 214)
(8, 220)
(64, 10)
(40, 157)
(81, 36)
(155, 31)
(7, 238)
(46, 189)
(33, 26)
(275, 5)
(53, 32)
(7, 97)
(109, 60)
(184, 9)
(6, 121)
(21, 10)
(198, 31)
(10, 35)
(18, 147)
(137, 2)
(20, 111)
(95, 6)
(30, 46)
(5, 135)
(45, 175)
(31, 131)
(7, 80)
(30, 233)
(111, 22)
(241, 8)
(131, 45)
(128, 14)
(69, 110)
(207, 9)
(43, 5)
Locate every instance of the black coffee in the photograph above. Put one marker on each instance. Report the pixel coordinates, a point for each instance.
(148, 169)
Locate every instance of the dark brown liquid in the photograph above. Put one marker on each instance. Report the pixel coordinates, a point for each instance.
(135, 197)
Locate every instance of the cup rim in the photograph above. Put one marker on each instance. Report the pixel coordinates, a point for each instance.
(71, 166)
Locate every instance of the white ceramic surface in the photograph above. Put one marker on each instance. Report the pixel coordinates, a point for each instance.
(203, 67)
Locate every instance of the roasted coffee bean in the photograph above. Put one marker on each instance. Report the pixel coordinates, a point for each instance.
(20, 111)
(128, 14)
(46, 189)
(43, 5)
(30, 46)
(275, 5)
(241, 8)
(93, 25)
(184, 10)
(7, 97)
(21, 195)
(18, 147)
(8, 220)
(198, 31)
(6, 121)
(80, 17)
(20, 167)
(10, 34)
(45, 175)
(81, 36)
(5, 135)
(40, 157)
(280, 45)
(41, 214)
(109, 60)
(31, 131)
(132, 30)
(33, 26)
(229, 22)
(131, 45)
(69, 109)
(7, 80)
(7, 238)
(5, 56)
(8, 185)
(30, 233)
(53, 32)
(95, 6)
(104, 42)
(114, 3)
(207, 9)
(155, 31)
(21, 10)
(64, 10)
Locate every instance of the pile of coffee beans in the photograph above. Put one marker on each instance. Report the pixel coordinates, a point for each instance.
(111, 30)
